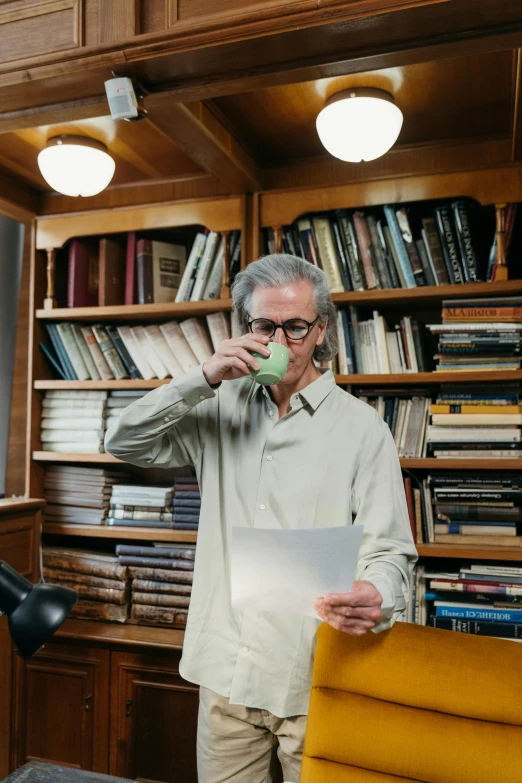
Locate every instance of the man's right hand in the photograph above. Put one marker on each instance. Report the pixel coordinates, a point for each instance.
(232, 360)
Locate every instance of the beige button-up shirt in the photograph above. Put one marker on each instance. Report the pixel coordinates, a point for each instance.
(330, 457)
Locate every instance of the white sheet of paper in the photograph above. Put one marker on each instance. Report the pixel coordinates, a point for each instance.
(286, 570)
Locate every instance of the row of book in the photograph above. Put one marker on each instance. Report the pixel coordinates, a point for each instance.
(107, 352)
(141, 270)
(464, 421)
(397, 247)
(479, 334)
(75, 421)
(369, 346)
(95, 496)
(481, 599)
(161, 582)
(116, 588)
(459, 508)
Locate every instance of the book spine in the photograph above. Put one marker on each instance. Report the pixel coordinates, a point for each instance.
(377, 254)
(397, 240)
(130, 269)
(109, 351)
(113, 521)
(349, 239)
(149, 586)
(145, 551)
(85, 352)
(53, 574)
(434, 250)
(144, 271)
(96, 610)
(97, 356)
(162, 575)
(125, 356)
(158, 615)
(449, 245)
(499, 630)
(66, 335)
(160, 599)
(152, 562)
(364, 242)
(495, 615)
(467, 251)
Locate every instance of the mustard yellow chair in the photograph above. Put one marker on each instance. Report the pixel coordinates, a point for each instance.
(414, 704)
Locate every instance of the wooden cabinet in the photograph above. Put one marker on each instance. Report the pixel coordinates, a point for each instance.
(153, 719)
(62, 707)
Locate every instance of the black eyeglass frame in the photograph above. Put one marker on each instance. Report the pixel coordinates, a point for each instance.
(309, 324)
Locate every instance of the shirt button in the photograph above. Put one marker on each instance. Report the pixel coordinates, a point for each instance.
(269, 459)
(246, 649)
(262, 506)
(166, 418)
(201, 396)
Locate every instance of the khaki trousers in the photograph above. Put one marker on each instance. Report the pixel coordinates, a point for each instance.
(235, 744)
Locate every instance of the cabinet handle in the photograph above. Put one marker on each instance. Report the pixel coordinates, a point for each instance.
(87, 700)
(129, 708)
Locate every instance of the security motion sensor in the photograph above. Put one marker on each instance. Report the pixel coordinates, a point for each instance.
(123, 101)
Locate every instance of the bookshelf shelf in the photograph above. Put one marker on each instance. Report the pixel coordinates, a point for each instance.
(401, 379)
(135, 312)
(60, 456)
(425, 294)
(427, 378)
(92, 385)
(121, 633)
(441, 463)
(108, 531)
(470, 552)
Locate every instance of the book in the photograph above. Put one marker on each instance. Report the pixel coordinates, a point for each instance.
(197, 337)
(219, 329)
(70, 346)
(482, 628)
(146, 348)
(125, 356)
(191, 267)
(179, 346)
(50, 354)
(150, 586)
(377, 253)
(411, 249)
(349, 240)
(157, 615)
(130, 269)
(398, 243)
(85, 352)
(109, 351)
(156, 551)
(449, 245)
(83, 562)
(364, 244)
(212, 289)
(97, 356)
(328, 256)
(158, 574)
(82, 273)
(204, 266)
(434, 250)
(96, 610)
(168, 265)
(160, 347)
(160, 599)
(111, 288)
(483, 612)
(136, 352)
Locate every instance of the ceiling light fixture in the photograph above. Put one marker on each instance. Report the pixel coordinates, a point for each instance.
(359, 124)
(76, 165)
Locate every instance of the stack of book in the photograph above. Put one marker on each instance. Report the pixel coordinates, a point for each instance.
(405, 411)
(477, 510)
(73, 421)
(138, 352)
(118, 400)
(395, 246)
(142, 270)
(479, 334)
(479, 599)
(101, 581)
(369, 346)
(161, 582)
(157, 507)
(78, 495)
(496, 410)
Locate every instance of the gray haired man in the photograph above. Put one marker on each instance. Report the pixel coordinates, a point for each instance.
(300, 454)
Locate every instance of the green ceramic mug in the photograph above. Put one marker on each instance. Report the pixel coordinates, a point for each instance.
(271, 368)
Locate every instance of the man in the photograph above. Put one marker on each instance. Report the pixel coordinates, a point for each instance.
(300, 454)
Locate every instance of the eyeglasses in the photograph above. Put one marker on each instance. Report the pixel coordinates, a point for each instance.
(294, 328)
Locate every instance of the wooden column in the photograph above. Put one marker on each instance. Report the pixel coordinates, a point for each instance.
(225, 285)
(50, 300)
(278, 238)
(501, 270)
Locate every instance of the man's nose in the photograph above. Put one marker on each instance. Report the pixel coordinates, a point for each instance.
(280, 336)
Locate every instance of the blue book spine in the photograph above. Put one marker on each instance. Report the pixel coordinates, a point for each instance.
(498, 615)
(348, 341)
(402, 255)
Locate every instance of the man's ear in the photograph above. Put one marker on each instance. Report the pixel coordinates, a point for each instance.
(322, 333)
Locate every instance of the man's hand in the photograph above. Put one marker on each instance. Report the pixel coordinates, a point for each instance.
(232, 359)
(355, 612)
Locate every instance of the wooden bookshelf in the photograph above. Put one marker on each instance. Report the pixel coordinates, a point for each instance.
(59, 456)
(92, 385)
(109, 531)
(135, 312)
(93, 631)
(427, 294)
(427, 378)
(470, 552)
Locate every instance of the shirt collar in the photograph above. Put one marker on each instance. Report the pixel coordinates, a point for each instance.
(313, 394)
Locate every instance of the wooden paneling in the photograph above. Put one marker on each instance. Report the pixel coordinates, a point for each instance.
(118, 20)
(488, 186)
(36, 28)
(218, 215)
(62, 708)
(153, 720)
(15, 478)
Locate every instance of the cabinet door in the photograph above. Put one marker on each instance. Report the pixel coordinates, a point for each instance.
(62, 708)
(153, 719)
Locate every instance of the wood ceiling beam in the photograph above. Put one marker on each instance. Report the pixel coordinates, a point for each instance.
(200, 135)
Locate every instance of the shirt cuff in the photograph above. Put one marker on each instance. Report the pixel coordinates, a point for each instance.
(388, 612)
(193, 387)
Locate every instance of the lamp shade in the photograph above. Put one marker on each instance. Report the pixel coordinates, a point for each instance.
(359, 124)
(35, 612)
(76, 165)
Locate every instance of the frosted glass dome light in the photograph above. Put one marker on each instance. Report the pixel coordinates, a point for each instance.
(359, 124)
(76, 165)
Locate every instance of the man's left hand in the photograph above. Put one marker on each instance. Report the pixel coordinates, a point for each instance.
(355, 612)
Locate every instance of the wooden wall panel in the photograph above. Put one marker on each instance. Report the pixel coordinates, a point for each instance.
(34, 28)
(118, 20)
(15, 479)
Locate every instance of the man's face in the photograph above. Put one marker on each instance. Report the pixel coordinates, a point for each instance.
(280, 304)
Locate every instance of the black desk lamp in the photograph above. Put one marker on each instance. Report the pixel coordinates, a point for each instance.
(35, 612)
